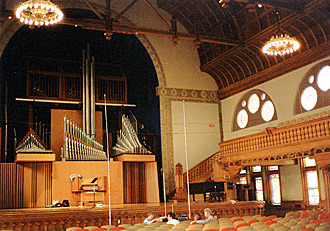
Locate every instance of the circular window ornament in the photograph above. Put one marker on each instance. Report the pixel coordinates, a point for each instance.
(323, 78)
(243, 103)
(309, 98)
(242, 118)
(267, 111)
(263, 96)
(311, 79)
(254, 103)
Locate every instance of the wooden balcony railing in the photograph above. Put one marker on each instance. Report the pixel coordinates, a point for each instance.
(202, 168)
(262, 146)
(274, 137)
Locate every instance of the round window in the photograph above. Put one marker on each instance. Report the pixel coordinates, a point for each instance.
(242, 118)
(323, 78)
(309, 98)
(267, 111)
(254, 103)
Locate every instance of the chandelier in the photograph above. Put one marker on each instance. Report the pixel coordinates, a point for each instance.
(39, 13)
(281, 43)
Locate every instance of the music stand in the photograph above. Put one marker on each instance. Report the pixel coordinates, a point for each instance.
(93, 182)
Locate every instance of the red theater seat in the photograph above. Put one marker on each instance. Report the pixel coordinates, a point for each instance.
(265, 220)
(116, 228)
(308, 229)
(99, 229)
(228, 229)
(242, 225)
(272, 217)
(304, 214)
(252, 221)
(270, 222)
(323, 216)
(238, 219)
(315, 221)
(211, 230)
(82, 230)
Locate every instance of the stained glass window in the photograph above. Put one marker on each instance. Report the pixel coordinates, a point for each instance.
(254, 103)
(243, 180)
(309, 162)
(312, 187)
(309, 98)
(259, 189)
(273, 168)
(275, 189)
(256, 168)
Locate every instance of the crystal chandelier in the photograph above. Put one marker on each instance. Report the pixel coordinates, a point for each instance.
(280, 44)
(39, 13)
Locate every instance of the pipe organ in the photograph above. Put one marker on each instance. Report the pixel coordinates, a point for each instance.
(88, 100)
(128, 141)
(77, 145)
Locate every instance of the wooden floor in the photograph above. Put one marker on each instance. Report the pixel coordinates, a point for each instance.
(61, 218)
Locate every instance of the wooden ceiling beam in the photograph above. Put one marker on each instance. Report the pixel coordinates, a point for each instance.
(129, 6)
(94, 10)
(157, 14)
(124, 28)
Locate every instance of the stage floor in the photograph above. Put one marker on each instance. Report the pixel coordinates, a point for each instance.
(64, 217)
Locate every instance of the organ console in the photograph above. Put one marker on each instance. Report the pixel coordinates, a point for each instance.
(90, 189)
(79, 184)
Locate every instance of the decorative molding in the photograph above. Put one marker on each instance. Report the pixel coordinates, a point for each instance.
(188, 94)
(303, 119)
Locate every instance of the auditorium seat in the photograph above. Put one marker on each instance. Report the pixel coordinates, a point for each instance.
(90, 227)
(116, 228)
(308, 229)
(274, 225)
(228, 229)
(241, 225)
(304, 214)
(73, 228)
(239, 222)
(252, 221)
(245, 228)
(107, 226)
(322, 228)
(237, 219)
(125, 225)
(290, 224)
(297, 227)
(312, 225)
(233, 218)
(282, 228)
(82, 230)
(99, 229)
(257, 224)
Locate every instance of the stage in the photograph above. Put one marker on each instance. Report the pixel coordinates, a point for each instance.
(64, 217)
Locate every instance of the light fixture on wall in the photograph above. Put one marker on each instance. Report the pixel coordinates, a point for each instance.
(39, 13)
(280, 43)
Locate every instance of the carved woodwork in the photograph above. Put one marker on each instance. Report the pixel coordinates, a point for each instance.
(180, 189)
(292, 142)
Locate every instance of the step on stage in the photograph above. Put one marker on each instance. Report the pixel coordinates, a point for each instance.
(62, 218)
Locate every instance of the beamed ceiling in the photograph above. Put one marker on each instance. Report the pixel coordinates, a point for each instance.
(236, 68)
(232, 35)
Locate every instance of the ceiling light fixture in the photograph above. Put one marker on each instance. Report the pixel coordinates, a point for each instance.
(281, 43)
(39, 13)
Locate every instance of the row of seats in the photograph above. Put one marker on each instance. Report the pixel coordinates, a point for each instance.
(309, 220)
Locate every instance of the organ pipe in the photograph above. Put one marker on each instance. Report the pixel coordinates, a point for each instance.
(87, 88)
(83, 90)
(92, 81)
